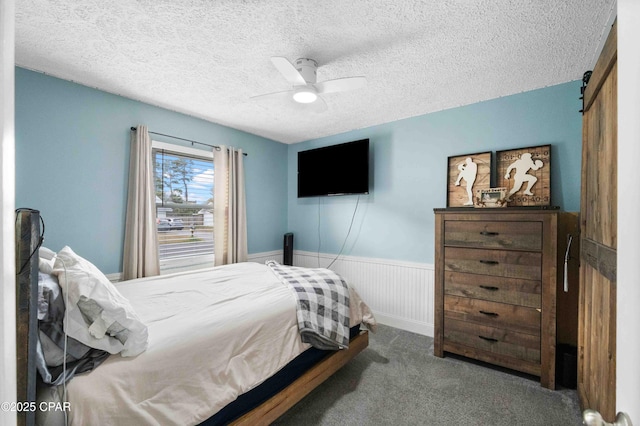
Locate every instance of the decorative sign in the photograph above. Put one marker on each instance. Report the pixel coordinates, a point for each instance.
(465, 175)
(526, 173)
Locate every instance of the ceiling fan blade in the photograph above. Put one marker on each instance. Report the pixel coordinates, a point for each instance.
(317, 107)
(285, 98)
(287, 69)
(341, 84)
(271, 95)
(320, 105)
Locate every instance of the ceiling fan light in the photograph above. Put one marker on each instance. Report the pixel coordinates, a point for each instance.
(305, 96)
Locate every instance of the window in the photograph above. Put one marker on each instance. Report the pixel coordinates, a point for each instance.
(184, 205)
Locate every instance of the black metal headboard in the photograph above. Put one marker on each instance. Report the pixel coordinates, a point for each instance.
(28, 241)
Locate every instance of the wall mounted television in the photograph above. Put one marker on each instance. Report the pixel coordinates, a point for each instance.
(341, 169)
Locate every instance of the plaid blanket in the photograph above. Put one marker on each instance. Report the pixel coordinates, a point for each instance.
(323, 304)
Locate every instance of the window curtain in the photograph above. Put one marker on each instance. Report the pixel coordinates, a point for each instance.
(140, 237)
(229, 208)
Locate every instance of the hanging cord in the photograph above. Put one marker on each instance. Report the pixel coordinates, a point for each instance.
(40, 240)
(63, 398)
(348, 232)
(567, 257)
(318, 253)
(66, 336)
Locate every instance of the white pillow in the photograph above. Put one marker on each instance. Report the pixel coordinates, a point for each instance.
(46, 259)
(98, 315)
(45, 265)
(46, 253)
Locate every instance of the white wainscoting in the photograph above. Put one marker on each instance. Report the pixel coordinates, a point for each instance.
(400, 294)
(256, 257)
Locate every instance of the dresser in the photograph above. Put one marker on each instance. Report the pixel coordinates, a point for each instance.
(495, 287)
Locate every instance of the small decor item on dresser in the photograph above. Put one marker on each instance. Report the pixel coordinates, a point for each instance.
(465, 175)
(492, 197)
(526, 173)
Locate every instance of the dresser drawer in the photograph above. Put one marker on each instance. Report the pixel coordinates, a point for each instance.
(499, 315)
(499, 263)
(495, 340)
(515, 291)
(494, 234)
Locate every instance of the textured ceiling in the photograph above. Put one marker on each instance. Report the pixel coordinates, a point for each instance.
(207, 58)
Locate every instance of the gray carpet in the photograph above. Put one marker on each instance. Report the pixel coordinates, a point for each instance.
(398, 381)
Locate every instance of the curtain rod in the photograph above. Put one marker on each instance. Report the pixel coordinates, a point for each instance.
(187, 140)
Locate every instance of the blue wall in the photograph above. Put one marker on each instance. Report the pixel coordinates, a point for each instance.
(409, 167)
(72, 159)
(72, 156)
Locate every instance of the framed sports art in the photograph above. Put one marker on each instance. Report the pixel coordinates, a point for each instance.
(526, 173)
(465, 175)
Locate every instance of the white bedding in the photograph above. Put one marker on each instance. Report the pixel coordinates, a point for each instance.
(213, 335)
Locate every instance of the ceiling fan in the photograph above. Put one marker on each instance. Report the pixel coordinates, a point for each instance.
(302, 75)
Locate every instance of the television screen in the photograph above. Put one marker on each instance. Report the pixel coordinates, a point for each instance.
(334, 170)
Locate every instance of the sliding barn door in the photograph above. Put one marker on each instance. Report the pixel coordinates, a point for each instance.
(597, 309)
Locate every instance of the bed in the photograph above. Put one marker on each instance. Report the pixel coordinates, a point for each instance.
(223, 346)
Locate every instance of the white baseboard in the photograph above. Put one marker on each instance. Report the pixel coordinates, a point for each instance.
(115, 277)
(424, 329)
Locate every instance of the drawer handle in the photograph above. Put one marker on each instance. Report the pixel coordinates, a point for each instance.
(489, 262)
(488, 339)
(490, 234)
(490, 287)
(489, 314)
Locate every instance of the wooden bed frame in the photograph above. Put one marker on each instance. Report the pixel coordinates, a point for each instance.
(277, 405)
(28, 240)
